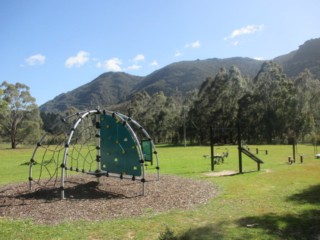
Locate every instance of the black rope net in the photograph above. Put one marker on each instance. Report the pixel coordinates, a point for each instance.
(47, 159)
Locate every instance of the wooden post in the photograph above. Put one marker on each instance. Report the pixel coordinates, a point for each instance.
(239, 147)
(294, 149)
(212, 150)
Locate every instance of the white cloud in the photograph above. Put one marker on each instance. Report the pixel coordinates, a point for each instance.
(178, 53)
(154, 63)
(195, 44)
(113, 65)
(235, 43)
(98, 64)
(259, 58)
(37, 59)
(81, 58)
(139, 58)
(134, 67)
(245, 30)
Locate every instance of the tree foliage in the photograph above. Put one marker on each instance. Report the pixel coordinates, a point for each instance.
(159, 114)
(19, 115)
(217, 105)
(270, 108)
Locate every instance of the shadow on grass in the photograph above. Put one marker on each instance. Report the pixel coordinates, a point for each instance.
(216, 231)
(206, 232)
(310, 195)
(303, 225)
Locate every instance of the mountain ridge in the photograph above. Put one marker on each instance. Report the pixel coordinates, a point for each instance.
(114, 88)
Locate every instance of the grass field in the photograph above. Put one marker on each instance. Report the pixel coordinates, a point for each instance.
(281, 201)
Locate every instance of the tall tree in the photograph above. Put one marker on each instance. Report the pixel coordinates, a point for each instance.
(307, 90)
(275, 104)
(19, 117)
(217, 105)
(159, 114)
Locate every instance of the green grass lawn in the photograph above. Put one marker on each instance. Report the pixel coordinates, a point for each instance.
(280, 202)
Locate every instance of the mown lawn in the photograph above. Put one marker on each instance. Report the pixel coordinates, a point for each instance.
(280, 202)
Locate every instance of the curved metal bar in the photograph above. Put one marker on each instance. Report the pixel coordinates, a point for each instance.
(32, 160)
(65, 156)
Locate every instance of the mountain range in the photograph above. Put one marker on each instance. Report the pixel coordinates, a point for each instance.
(114, 88)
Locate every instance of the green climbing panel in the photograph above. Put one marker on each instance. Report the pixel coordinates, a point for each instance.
(146, 147)
(119, 152)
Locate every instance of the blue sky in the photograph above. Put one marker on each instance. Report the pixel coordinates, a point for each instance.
(55, 46)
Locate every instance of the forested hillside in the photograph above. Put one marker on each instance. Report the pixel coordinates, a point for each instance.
(108, 89)
(114, 88)
(273, 101)
(307, 56)
(270, 108)
(186, 76)
(178, 78)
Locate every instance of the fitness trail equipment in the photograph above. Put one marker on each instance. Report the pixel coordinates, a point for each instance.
(240, 151)
(100, 143)
(246, 152)
(293, 159)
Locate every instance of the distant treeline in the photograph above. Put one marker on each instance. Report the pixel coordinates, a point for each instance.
(270, 108)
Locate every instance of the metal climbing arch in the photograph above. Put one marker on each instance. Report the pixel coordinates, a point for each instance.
(100, 143)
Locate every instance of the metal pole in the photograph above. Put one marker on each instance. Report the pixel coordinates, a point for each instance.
(98, 146)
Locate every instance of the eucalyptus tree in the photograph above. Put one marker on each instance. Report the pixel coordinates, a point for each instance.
(307, 91)
(157, 113)
(19, 116)
(274, 105)
(217, 104)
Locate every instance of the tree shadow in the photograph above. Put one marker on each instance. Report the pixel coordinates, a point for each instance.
(303, 225)
(310, 195)
(206, 232)
(214, 231)
(210, 231)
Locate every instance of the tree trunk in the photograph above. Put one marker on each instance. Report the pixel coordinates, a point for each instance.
(13, 142)
(13, 135)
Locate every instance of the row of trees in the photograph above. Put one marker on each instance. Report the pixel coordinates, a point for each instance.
(271, 108)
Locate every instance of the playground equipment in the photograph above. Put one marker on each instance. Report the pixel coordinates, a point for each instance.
(293, 159)
(100, 143)
(246, 152)
(240, 151)
(262, 150)
(215, 158)
(250, 155)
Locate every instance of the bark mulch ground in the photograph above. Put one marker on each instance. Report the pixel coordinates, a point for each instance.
(111, 198)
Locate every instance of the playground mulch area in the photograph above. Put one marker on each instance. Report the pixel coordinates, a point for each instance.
(88, 200)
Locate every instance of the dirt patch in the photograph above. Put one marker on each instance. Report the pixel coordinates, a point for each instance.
(111, 198)
(221, 173)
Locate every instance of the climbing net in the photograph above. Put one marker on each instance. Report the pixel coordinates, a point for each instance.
(49, 152)
(100, 143)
